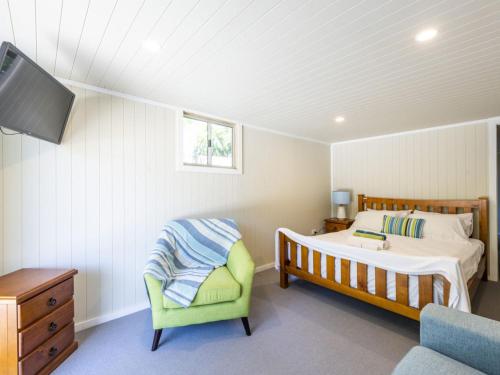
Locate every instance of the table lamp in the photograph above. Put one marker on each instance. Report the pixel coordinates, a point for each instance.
(341, 199)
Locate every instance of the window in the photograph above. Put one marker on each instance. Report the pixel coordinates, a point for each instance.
(208, 144)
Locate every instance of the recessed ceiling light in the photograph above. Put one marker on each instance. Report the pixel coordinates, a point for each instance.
(151, 46)
(339, 119)
(426, 35)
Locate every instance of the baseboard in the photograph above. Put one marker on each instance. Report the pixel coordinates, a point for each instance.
(80, 326)
(264, 267)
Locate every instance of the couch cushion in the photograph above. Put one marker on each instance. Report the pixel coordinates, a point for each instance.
(220, 286)
(423, 361)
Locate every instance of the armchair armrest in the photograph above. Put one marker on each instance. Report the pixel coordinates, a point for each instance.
(242, 267)
(240, 263)
(467, 338)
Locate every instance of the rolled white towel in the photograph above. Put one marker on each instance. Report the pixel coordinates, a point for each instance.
(368, 243)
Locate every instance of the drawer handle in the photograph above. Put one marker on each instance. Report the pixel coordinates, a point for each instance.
(52, 301)
(52, 327)
(52, 351)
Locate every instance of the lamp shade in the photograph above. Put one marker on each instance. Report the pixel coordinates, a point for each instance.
(341, 197)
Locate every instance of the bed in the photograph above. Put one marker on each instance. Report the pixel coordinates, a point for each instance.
(370, 281)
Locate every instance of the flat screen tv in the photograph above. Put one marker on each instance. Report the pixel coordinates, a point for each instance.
(32, 102)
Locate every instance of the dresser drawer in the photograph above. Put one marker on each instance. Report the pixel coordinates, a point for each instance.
(45, 328)
(48, 351)
(44, 303)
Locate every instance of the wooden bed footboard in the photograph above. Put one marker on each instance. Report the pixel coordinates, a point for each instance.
(289, 266)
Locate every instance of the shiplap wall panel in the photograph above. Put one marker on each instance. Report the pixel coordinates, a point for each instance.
(129, 202)
(117, 189)
(12, 201)
(78, 202)
(447, 163)
(92, 201)
(105, 206)
(98, 201)
(30, 201)
(48, 203)
(63, 204)
(140, 225)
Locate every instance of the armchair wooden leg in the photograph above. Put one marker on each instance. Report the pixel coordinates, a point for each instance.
(247, 326)
(156, 339)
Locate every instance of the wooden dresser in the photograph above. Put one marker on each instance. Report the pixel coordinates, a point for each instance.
(335, 225)
(37, 331)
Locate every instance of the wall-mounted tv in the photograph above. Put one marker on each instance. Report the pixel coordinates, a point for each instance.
(32, 102)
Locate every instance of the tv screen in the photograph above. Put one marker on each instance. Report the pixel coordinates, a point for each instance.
(32, 102)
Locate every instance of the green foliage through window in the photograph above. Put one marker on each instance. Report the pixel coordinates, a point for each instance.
(207, 143)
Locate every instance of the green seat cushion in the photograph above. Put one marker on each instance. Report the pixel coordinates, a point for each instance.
(220, 286)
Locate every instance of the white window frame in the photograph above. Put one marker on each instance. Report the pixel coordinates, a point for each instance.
(237, 145)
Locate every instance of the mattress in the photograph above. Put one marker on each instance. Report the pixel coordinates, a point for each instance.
(468, 252)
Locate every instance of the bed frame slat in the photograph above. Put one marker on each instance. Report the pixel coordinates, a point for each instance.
(345, 274)
(317, 262)
(446, 292)
(380, 282)
(424, 290)
(330, 268)
(293, 253)
(304, 258)
(402, 289)
(362, 277)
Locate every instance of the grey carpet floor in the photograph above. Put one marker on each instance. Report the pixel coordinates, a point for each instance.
(304, 329)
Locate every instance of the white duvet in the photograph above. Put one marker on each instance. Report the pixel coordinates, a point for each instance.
(455, 260)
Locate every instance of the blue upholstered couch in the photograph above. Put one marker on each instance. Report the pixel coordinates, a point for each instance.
(453, 342)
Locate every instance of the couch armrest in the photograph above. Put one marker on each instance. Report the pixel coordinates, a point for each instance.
(465, 337)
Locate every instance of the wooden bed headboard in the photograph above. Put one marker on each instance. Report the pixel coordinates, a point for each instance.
(479, 207)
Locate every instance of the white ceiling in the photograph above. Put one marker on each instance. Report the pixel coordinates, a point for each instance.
(289, 65)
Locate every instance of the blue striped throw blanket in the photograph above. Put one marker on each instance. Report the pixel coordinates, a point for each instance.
(187, 251)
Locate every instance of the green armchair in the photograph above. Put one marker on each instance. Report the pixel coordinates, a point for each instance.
(224, 295)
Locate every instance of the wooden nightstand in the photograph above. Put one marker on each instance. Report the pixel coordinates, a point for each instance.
(335, 225)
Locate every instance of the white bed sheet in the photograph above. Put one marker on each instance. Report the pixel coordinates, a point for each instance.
(468, 252)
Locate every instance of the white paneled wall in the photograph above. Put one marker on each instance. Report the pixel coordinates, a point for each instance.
(98, 201)
(445, 163)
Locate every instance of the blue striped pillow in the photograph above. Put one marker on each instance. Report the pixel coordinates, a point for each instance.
(403, 226)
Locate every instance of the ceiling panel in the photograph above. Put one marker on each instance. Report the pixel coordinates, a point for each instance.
(236, 42)
(47, 33)
(5, 25)
(151, 13)
(177, 27)
(71, 23)
(121, 23)
(286, 65)
(95, 27)
(23, 20)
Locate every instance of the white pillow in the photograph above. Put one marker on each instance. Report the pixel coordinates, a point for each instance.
(466, 219)
(441, 227)
(373, 219)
